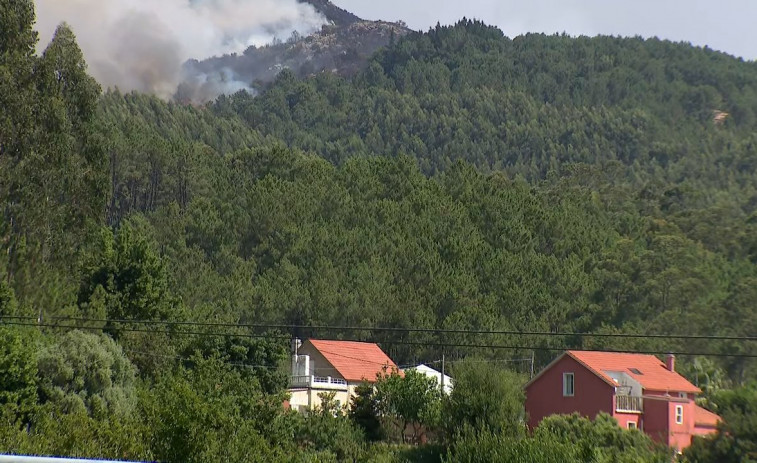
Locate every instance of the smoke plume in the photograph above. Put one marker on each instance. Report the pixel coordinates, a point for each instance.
(142, 44)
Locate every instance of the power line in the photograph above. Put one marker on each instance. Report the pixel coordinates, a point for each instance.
(352, 358)
(151, 331)
(404, 330)
(191, 359)
(390, 342)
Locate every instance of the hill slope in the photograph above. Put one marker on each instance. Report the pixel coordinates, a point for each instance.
(668, 120)
(462, 180)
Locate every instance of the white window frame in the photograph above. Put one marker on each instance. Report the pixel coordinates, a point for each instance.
(632, 425)
(679, 414)
(565, 392)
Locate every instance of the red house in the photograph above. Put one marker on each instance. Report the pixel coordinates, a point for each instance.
(639, 390)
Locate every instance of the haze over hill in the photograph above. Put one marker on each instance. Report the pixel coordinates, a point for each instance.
(343, 46)
(142, 44)
(212, 47)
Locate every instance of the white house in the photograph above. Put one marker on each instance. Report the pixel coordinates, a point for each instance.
(442, 380)
(334, 366)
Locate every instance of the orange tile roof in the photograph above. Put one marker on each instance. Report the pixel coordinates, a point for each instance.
(355, 361)
(654, 375)
(705, 418)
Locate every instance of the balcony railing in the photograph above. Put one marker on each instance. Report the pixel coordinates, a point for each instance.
(327, 382)
(629, 403)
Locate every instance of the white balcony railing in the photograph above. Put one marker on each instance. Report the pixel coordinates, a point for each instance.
(629, 403)
(323, 382)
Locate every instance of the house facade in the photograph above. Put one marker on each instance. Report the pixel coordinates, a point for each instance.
(320, 366)
(639, 391)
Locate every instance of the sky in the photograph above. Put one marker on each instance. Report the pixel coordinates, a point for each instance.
(724, 25)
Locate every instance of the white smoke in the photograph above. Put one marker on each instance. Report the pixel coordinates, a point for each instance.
(142, 44)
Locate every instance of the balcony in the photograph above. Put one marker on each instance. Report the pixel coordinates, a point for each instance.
(318, 382)
(629, 403)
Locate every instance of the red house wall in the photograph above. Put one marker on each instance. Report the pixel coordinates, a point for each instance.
(656, 420)
(704, 430)
(624, 418)
(660, 422)
(544, 396)
(680, 434)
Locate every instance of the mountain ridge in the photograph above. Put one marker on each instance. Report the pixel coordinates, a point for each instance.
(343, 47)
(337, 16)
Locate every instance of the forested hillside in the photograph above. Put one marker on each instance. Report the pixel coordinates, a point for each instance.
(464, 181)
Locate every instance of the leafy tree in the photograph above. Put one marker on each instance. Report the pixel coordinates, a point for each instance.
(133, 278)
(86, 372)
(261, 360)
(601, 439)
(484, 446)
(364, 411)
(485, 398)
(411, 399)
(16, 66)
(8, 303)
(18, 372)
(52, 431)
(198, 414)
(328, 434)
(62, 72)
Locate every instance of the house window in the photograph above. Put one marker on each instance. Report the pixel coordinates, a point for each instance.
(679, 414)
(631, 425)
(567, 385)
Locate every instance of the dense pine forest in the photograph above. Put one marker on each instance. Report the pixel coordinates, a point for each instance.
(158, 257)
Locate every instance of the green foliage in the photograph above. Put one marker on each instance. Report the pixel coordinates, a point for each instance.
(54, 432)
(265, 361)
(411, 401)
(199, 414)
(485, 398)
(364, 412)
(130, 279)
(593, 208)
(8, 303)
(327, 434)
(485, 446)
(601, 439)
(18, 372)
(736, 438)
(86, 372)
(63, 73)
(16, 63)
(50, 158)
(559, 438)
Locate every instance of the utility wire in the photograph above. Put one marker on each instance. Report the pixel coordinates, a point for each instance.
(388, 341)
(191, 359)
(352, 358)
(432, 330)
(152, 331)
(403, 330)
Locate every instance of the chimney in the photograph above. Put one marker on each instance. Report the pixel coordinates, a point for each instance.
(670, 362)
